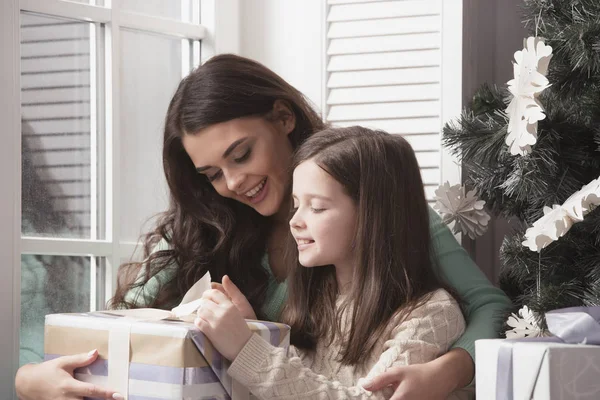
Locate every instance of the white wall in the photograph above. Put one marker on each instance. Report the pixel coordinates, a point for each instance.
(286, 36)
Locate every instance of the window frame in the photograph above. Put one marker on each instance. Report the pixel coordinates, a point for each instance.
(215, 18)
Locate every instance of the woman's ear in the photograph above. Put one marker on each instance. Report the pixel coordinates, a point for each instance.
(284, 116)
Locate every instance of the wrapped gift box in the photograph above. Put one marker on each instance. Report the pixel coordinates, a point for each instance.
(556, 371)
(157, 359)
(536, 368)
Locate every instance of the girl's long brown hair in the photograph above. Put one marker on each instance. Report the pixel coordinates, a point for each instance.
(394, 272)
(207, 232)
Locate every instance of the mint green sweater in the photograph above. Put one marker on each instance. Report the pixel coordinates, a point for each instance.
(484, 304)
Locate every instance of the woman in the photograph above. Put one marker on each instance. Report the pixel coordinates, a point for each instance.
(230, 131)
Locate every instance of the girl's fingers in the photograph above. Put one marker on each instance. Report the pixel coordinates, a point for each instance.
(231, 289)
(207, 306)
(216, 296)
(218, 286)
(202, 324)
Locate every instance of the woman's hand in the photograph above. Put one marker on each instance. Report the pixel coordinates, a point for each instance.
(434, 380)
(53, 380)
(236, 296)
(220, 320)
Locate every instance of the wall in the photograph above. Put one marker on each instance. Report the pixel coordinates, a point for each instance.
(492, 33)
(286, 36)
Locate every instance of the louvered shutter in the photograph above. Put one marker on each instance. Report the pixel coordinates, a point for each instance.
(383, 63)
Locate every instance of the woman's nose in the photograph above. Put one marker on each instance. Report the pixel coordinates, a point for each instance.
(234, 181)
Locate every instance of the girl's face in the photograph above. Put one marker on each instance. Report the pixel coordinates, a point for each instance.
(245, 159)
(324, 222)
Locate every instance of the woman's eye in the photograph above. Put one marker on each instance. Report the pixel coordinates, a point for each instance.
(244, 157)
(214, 176)
(317, 210)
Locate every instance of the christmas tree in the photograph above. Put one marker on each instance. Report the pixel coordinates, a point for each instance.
(535, 143)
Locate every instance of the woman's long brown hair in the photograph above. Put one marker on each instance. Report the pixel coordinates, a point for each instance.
(394, 270)
(207, 232)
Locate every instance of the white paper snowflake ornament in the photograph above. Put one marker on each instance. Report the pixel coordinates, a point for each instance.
(464, 209)
(529, 81)
(583, 201)
(554, 224)
(524, 325)
(557, 220)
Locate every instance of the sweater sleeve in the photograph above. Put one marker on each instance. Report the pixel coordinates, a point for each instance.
(484, 305)
(271, 374)
(141, 296)
(428, 332)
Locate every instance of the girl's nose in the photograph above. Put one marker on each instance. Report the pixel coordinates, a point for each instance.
(296, 222)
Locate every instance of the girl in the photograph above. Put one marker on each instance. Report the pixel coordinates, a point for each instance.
(365, 296)
(230, 131)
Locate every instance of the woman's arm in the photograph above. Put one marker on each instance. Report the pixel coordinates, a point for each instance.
(484, 305)
(53, 380)
(140, 296)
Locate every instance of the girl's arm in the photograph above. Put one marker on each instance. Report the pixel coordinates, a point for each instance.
(270, 373)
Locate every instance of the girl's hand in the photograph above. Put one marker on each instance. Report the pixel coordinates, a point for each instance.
(222, 323)
(236, 296)
(53, 380)
(433, 380)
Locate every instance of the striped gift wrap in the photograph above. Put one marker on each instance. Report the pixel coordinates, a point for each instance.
(167, 359)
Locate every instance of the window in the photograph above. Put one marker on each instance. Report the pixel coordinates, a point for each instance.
(86, 91)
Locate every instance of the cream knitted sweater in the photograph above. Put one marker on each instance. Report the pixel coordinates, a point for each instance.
(426, 333)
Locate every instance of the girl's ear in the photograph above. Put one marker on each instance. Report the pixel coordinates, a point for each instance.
(284, 116)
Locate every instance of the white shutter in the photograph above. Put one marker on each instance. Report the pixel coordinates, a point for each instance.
(384, 71)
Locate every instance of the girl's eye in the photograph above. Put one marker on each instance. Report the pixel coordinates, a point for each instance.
(214, 176)
(317, 210)
(244, 157)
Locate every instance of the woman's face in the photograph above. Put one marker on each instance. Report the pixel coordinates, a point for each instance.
(245, 159)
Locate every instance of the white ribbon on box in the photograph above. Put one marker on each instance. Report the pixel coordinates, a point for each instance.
(119, 337)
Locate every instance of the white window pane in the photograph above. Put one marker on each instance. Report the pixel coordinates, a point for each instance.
(54, 284)
(56, 127)
(148, 80)
(180, 10)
